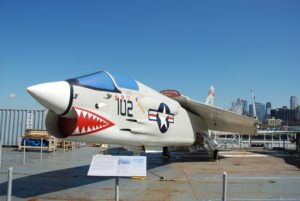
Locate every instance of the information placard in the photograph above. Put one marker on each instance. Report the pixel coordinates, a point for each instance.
(118, 166)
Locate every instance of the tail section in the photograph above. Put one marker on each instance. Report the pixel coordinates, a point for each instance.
(211, 96)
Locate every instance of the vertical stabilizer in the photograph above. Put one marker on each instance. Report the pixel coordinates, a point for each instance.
(210, 97)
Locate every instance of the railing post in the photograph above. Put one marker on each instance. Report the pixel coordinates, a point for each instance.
(9, 184)
(117, 188)
(249, 140)
(24, 151)
(224, 196)
(0, 153)
(41, 156)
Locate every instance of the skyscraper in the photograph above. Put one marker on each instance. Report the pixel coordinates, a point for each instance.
(245, 107)
(268, 110)
(260, 111)
(293, 102)
(240, 106)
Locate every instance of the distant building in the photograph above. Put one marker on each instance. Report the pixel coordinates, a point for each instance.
(293, 102)
(290, 117)
(251, 110)
(239, 107)
(245, 107)
(268, 110)
(260, 111)
(236, 107)
(274, 122)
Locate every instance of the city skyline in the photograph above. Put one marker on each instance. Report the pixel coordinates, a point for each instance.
(266, 114)
(295, 103)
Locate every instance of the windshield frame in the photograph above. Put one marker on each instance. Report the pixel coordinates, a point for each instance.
(76, 82)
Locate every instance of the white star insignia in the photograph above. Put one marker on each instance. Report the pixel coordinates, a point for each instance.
(163, 118)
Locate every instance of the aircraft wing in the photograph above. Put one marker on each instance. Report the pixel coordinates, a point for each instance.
(219, 119)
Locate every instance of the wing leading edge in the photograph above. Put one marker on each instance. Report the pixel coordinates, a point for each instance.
(219, 119)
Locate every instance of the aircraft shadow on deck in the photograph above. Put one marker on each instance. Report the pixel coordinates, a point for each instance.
(53, 181)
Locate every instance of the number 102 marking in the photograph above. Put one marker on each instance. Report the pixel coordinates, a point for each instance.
(125, 107)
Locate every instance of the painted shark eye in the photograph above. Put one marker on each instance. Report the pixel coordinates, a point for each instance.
(100, 105)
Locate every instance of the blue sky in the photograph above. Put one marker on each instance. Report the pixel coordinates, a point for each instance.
(183, 45)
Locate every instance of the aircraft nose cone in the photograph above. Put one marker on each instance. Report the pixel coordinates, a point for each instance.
(55, 96)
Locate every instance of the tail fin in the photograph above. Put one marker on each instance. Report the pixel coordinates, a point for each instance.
(211, 96)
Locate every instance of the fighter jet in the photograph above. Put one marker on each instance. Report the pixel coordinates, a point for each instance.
(113, 109)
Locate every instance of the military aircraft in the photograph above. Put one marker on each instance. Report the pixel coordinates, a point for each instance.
(113, 109)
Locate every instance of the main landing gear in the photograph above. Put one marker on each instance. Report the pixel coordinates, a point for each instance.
(165, 153)
(216, 155)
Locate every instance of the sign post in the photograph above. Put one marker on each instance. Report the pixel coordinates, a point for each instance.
(117, 189)
(118, 166)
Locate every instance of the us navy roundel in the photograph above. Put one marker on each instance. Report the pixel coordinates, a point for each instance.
(162, 116)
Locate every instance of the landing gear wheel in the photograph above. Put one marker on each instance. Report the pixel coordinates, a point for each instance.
(216, 155)
(166, 153)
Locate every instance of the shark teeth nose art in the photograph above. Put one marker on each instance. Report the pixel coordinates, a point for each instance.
(89, 122)
(86, 122)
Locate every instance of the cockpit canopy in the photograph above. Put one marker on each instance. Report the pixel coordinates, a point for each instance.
(105, 82)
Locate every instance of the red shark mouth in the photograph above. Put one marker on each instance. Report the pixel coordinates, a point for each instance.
(87, 122)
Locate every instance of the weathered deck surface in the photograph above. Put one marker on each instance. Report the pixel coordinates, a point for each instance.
(253, 175)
